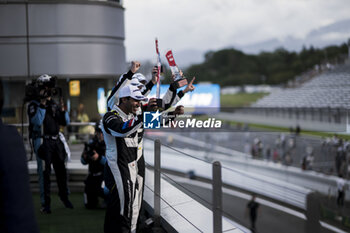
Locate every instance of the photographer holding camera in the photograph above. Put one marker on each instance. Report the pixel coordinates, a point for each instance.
(94, 156)
(52, 151)
(36, 113)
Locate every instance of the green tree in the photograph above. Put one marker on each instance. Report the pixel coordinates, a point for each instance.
(233, 67)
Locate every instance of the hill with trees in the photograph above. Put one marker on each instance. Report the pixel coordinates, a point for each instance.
(231, 67)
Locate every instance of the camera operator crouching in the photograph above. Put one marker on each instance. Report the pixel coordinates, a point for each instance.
(94, 156)
(52, 151)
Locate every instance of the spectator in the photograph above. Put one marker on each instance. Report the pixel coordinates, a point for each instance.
(278, 142)
(73, 130)
(283, 140)
(310, 161)
(84, 118)
(340, 156)
(256, 148)
(94, 156)
(341, 190)
(309, 158)
(268, 153)
(291, 143)
(252, 208)
(16, 211)
(288, 159)
(303, 163)
(260, 149)
(275, 155)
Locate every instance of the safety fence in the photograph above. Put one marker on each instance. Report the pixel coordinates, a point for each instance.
(168, 160)
(182, 209)
(178, 160)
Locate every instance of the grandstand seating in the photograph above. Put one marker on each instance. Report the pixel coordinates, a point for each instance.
(330, 89)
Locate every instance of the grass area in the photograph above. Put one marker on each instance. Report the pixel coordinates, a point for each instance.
(240, 99)
(326, 134)
(63, 220)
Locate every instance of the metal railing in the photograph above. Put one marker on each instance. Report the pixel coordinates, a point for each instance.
(216, 183)
(157, 193)
(235, 177)
(299, 196)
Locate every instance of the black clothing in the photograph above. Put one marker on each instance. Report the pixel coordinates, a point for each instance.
(93, 183)
(148, 88)
(122, 82)
(54, 117)
(93, 190)
(340, 198)
(54, 152)
(253, 209)
(16, 204)
(100, 148)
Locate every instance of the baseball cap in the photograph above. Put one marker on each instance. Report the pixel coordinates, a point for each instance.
(140, 77)
(133, 92)
(135, 82)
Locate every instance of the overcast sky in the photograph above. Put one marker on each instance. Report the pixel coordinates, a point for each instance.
(213, 24)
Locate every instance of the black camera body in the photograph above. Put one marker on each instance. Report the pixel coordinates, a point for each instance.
(89, 150)
(160, 103)
(41, 89)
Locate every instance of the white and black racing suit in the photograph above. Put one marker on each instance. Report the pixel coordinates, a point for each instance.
(125, 162)
(125, 170)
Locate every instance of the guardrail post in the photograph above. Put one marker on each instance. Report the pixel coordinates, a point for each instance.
(157, 183)
(217, 197)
